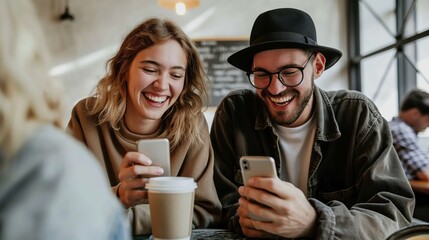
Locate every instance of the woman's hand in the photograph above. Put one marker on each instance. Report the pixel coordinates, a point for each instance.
(133, 175)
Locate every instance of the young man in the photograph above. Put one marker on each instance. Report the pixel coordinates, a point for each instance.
(339, 174)
(413, 118)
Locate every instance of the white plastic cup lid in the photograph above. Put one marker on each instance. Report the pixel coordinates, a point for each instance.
(171, 184)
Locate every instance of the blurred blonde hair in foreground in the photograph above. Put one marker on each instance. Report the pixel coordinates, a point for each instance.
(29, 97)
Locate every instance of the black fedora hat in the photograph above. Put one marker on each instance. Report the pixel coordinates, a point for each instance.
(282, 28)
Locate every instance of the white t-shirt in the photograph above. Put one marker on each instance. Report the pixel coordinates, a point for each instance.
(295, 148)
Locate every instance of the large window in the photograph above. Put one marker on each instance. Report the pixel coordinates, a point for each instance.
(422, 61)
(389, 49)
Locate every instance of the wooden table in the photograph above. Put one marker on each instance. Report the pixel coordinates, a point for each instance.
(420, 186)
(199, 234)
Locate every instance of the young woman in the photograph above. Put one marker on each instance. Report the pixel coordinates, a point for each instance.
(51, 186)
(152, 90)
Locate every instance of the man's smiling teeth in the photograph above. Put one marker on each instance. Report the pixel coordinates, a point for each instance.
(155, 98)
(281, 100)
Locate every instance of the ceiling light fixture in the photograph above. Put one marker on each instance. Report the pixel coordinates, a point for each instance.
(66, 15)
(180, 6)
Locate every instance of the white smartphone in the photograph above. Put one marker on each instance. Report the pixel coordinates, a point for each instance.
(158, 150)
(257, 166)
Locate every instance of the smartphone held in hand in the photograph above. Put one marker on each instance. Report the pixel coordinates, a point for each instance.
(158, 150)
(257, 166)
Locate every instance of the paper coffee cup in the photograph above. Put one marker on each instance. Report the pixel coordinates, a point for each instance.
(171, 202)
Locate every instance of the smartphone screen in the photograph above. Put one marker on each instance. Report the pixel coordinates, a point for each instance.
(158, 150)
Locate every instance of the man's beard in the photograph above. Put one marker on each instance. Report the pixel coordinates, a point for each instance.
(278, 117)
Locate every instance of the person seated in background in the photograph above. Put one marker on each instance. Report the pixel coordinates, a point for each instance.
(412, 119)
(153, 89)
(333, 150)
(51, 186)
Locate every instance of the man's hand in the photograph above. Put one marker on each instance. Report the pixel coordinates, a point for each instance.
(287, 210)
(423, 175)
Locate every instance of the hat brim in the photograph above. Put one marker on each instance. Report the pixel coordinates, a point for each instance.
(243, 59)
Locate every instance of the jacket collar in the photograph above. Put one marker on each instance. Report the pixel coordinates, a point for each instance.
(327, 126)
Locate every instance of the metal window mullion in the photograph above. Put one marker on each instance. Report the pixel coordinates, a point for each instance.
(355, 79)
(405, 23)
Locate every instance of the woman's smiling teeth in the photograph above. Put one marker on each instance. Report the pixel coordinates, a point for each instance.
(158, 99)
(281, 100)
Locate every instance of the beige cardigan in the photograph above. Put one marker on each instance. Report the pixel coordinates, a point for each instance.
(110, 145)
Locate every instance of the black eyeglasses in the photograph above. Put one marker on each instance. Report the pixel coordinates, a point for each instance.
(288, 76)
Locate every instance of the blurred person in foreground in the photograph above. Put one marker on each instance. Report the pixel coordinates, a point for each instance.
(339, 175)
(51, 186)
(412, 119)
(152, 90)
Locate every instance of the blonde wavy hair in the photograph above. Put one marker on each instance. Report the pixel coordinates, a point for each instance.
(180, 121)
(28, 96)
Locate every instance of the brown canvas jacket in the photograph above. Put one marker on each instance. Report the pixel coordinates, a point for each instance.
(110, 145)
